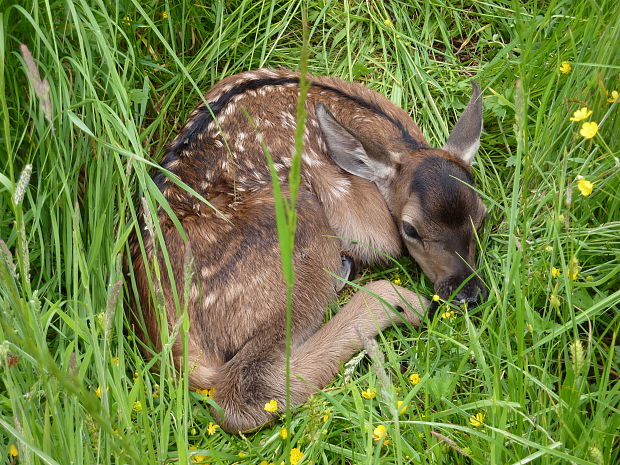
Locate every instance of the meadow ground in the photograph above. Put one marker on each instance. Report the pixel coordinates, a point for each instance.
(529, 376)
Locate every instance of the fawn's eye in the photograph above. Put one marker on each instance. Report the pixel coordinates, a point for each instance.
(411, 232)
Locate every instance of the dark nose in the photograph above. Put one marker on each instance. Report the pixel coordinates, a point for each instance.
(472, 292)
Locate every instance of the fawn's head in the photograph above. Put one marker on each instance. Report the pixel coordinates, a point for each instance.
(429, 192)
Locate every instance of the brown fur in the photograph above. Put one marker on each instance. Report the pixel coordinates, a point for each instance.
(237, 297)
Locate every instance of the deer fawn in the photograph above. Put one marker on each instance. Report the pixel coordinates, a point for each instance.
(370, 185)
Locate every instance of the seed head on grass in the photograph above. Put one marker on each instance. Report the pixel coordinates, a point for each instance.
(41, 87)
(22, 184)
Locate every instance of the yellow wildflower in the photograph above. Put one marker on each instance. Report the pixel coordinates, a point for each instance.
(401, 406)
(327, 416)
(264, 462)
(588, 130)
(584, 186)
(212, 428)
(242, 454)
(115, 361)
(368, 394)
(436, 298)
(296, 456)
(98, 392)
(565, 67)
(388, 23)
(449, 315)
(581, 114)
(614, 96)
(206, 392)
(397, 280)
(137, 406)
(555, 272)
(284, 433)
(574, 268)
(198, 458)
(127, 21)
(13, 450)
(271, 406)
(379, 433)
(164, 15)
(414, 378)
(477, 420)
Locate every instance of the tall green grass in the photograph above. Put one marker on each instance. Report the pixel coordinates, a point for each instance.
(539, 360)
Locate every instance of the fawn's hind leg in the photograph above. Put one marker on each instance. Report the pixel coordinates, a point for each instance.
(256, 374)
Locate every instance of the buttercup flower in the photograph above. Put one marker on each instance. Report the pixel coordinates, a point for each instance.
(368, 394)
(296, 456)
(565, 67)
(13, 450)
(164, 15)
(555, 272)
(206, 392)
(588, 130)
(284, 433)
(397, 280)
(212, 428)
(614, 96)
(198, 458)
(449, 315)
(477, 420)
(414, 378)
(401, 407)
(137, 406)
(271, 406)
(584, 186)
(574, 268)
(581, 114)
(436, 298)
(388, 23)
(379, 433)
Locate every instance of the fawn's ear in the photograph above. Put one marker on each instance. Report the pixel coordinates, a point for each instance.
(464, 140)
(352, 153)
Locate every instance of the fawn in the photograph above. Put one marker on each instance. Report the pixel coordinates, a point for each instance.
(370, 187)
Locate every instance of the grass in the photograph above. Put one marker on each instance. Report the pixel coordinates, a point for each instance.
(539, 360)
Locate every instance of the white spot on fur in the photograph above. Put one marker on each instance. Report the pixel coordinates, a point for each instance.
(209, 299)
